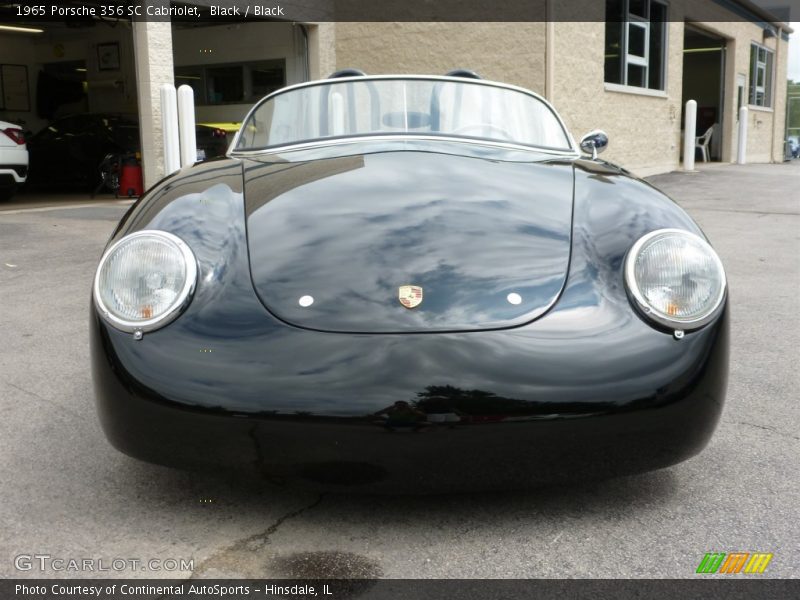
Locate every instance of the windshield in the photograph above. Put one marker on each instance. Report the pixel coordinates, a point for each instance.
(402, 106)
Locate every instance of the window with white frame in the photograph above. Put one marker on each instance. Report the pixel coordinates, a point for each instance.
(636, 36)
(233, 83)
(761, 61)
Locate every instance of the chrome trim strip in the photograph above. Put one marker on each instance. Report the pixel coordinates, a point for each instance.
(401, 137)
(641, 303)
(178, 305)
(486, 82)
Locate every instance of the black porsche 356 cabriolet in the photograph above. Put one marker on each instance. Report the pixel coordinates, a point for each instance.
(409, 283)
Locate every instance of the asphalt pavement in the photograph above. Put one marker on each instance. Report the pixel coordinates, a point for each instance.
(66, 493)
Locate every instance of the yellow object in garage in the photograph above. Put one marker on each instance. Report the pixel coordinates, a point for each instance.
(229, 127)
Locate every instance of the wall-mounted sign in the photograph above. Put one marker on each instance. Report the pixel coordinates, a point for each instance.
(108, 56)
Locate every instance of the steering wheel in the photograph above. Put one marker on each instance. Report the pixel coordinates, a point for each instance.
(479, 126)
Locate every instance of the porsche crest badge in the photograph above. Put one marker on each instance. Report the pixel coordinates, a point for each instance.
(410, 295)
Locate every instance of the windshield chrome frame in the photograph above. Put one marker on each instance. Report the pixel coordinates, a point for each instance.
(571, 151)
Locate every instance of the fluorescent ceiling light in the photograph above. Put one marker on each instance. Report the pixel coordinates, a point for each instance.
(16, 29)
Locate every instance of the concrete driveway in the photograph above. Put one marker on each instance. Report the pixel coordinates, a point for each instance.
(66, 493)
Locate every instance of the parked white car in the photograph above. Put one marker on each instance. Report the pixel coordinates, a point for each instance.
(13, 159)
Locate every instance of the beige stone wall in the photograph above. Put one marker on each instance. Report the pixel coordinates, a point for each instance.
(765, 126)
(321, 49)
(780, 99)
(513, 53)
(152, 43)
(645, 131)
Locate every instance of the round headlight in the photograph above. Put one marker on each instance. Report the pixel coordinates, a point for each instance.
(145, 280)
(675, 278)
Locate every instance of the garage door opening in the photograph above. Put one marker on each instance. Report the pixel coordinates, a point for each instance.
(230, 67)
(74, 88)
(703, 81)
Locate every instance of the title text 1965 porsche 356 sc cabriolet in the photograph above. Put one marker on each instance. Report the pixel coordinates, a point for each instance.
(409, 283)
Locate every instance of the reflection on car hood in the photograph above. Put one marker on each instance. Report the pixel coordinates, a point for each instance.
(487, 241)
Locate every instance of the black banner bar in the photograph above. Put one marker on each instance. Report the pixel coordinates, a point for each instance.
(701, 588)
(763, 12)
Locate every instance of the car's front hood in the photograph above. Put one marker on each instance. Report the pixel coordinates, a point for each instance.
(487, 241)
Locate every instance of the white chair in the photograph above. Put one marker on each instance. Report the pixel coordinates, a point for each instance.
(702, 142)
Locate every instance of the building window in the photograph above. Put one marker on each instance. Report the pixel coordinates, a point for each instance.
(760, 75)
(636, 34)
(240, 83)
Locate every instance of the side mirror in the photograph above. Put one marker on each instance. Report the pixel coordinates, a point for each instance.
(594, 142)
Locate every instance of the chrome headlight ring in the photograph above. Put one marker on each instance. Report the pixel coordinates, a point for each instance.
(177, 284)
(675, 279)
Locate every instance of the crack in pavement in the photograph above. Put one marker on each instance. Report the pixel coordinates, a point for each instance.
(242, 557)
(765, 428)
(46, 400)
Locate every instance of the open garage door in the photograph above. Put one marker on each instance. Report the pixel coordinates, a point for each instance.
(73, 92)
(704, 82)
(81, 88)
(231, 66)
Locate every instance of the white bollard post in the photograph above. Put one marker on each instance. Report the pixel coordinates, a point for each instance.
(689, 134)
(741, 153)
(169, 116)
(187, 125)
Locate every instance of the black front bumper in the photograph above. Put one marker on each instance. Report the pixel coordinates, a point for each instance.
(339, 438)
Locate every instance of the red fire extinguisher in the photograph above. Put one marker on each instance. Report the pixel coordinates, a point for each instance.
(130, 176)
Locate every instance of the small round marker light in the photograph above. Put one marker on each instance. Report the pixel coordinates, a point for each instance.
(306, 301)
(514, 298)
